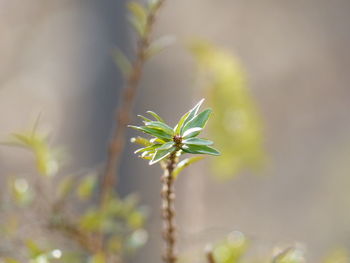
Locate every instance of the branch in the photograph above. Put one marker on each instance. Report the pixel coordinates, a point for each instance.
(168, 212)
(209, 254)
(123, 113)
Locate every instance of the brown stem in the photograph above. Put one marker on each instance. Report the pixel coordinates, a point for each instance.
(168, 211)
(71, 231)
(123, 113)
(210, 255)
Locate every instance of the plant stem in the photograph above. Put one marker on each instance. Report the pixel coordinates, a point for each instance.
(210, 255)
(123, 113)
(168, 211)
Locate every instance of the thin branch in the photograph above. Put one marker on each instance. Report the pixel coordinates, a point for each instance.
(209, 254)
(168, 211)
(281, 254)
(123, 113)
(71, 231)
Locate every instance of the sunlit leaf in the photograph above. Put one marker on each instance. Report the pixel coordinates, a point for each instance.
(156, 116)
(161, 126)
(193, 112)
(197, 141)
(179, 125)
(153, 131)
(148, 148)
(144, 118)
(192, 132)
(184, 163)
(160, 155)
(141, 141)
(166, 146)
(200, 149)
(198, 121)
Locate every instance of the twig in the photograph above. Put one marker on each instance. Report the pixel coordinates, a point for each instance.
(71, 231)
(281, 254)
(168, 212)
(123, 113)
(209, 254)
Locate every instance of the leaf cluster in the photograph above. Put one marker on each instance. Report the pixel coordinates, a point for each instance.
(178, 140)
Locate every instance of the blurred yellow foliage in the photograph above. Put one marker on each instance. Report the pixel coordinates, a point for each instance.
(46, 161)
(236, 127)
(338, 256)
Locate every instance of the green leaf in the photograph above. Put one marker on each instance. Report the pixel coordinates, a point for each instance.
(161, 126)
(86, 187)
(184, 163)
(91, 221)
(159, 45)
(192, 113)
(38, 144)
(197, 141)
(141, 141)
(160, 155)
(144, 118)
(146, 155)
(192, 132)
(122, 61)
(138, 11)
(202, 149)
(154, 132)
(149, 148)
(20, 191)
(179, 125)
(33, 248)
(156, 140)
(198, 121)
(137, 25)
(156, 116)
(166, 146)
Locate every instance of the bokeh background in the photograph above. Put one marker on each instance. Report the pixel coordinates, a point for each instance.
(56, 59)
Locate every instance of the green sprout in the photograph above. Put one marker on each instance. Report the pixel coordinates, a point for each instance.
(181, 139)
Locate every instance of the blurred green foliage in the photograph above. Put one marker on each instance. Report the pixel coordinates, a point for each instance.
(235, 249)
(236, 126)
(339, 255)
(67, 205)
(38, 144)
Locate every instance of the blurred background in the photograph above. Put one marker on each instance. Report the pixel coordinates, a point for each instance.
(56, 59)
